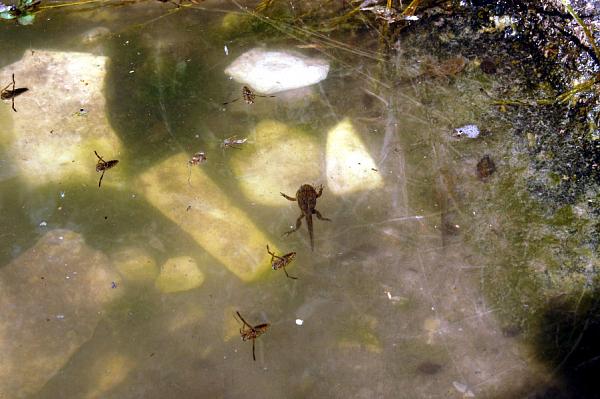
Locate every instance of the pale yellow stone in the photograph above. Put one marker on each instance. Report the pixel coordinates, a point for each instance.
(188, 315)
(108, 371)
(50, 139)
(212, 220)
(279, 159)
(179, 274)
(135, 265)
(349, 167)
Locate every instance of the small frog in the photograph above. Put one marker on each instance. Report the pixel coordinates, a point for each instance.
(280, 262)
(307, 200)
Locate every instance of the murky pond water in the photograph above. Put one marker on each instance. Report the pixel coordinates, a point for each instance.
(130, 289)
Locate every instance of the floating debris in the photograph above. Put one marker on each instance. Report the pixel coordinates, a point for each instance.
(471, 131)
(390, 15)
(23, 12)
(197, 159)
(464, 389)
(231, 142)
(81, 112)
(396, 298)
(485, 167)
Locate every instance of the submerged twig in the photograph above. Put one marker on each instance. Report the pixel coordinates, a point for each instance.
(560, 99)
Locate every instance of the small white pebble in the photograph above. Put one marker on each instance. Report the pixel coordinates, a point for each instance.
(43, 223)
(471, 131)
(60, 316)
(299, 322)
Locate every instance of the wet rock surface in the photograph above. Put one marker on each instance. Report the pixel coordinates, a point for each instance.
(61, 120)
(52, 297)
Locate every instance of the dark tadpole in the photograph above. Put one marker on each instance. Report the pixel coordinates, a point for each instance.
(429, 368)
(485, 167)
(488, 66)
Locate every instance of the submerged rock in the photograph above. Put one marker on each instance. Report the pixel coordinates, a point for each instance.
(280, 160)
(350, 167)
(135, 265)
(204, 211)
(51, 299)
(179, 274)
(270, 72)
(61, 120)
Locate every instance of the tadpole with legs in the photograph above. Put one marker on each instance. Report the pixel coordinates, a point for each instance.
(247, 95)
(103, 165)
(6, 94)
(248, 332)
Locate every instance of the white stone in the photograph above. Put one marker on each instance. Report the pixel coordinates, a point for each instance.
(45, 317)
(179, 274)
(49, 139)
(471, 131)
(270, 72)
